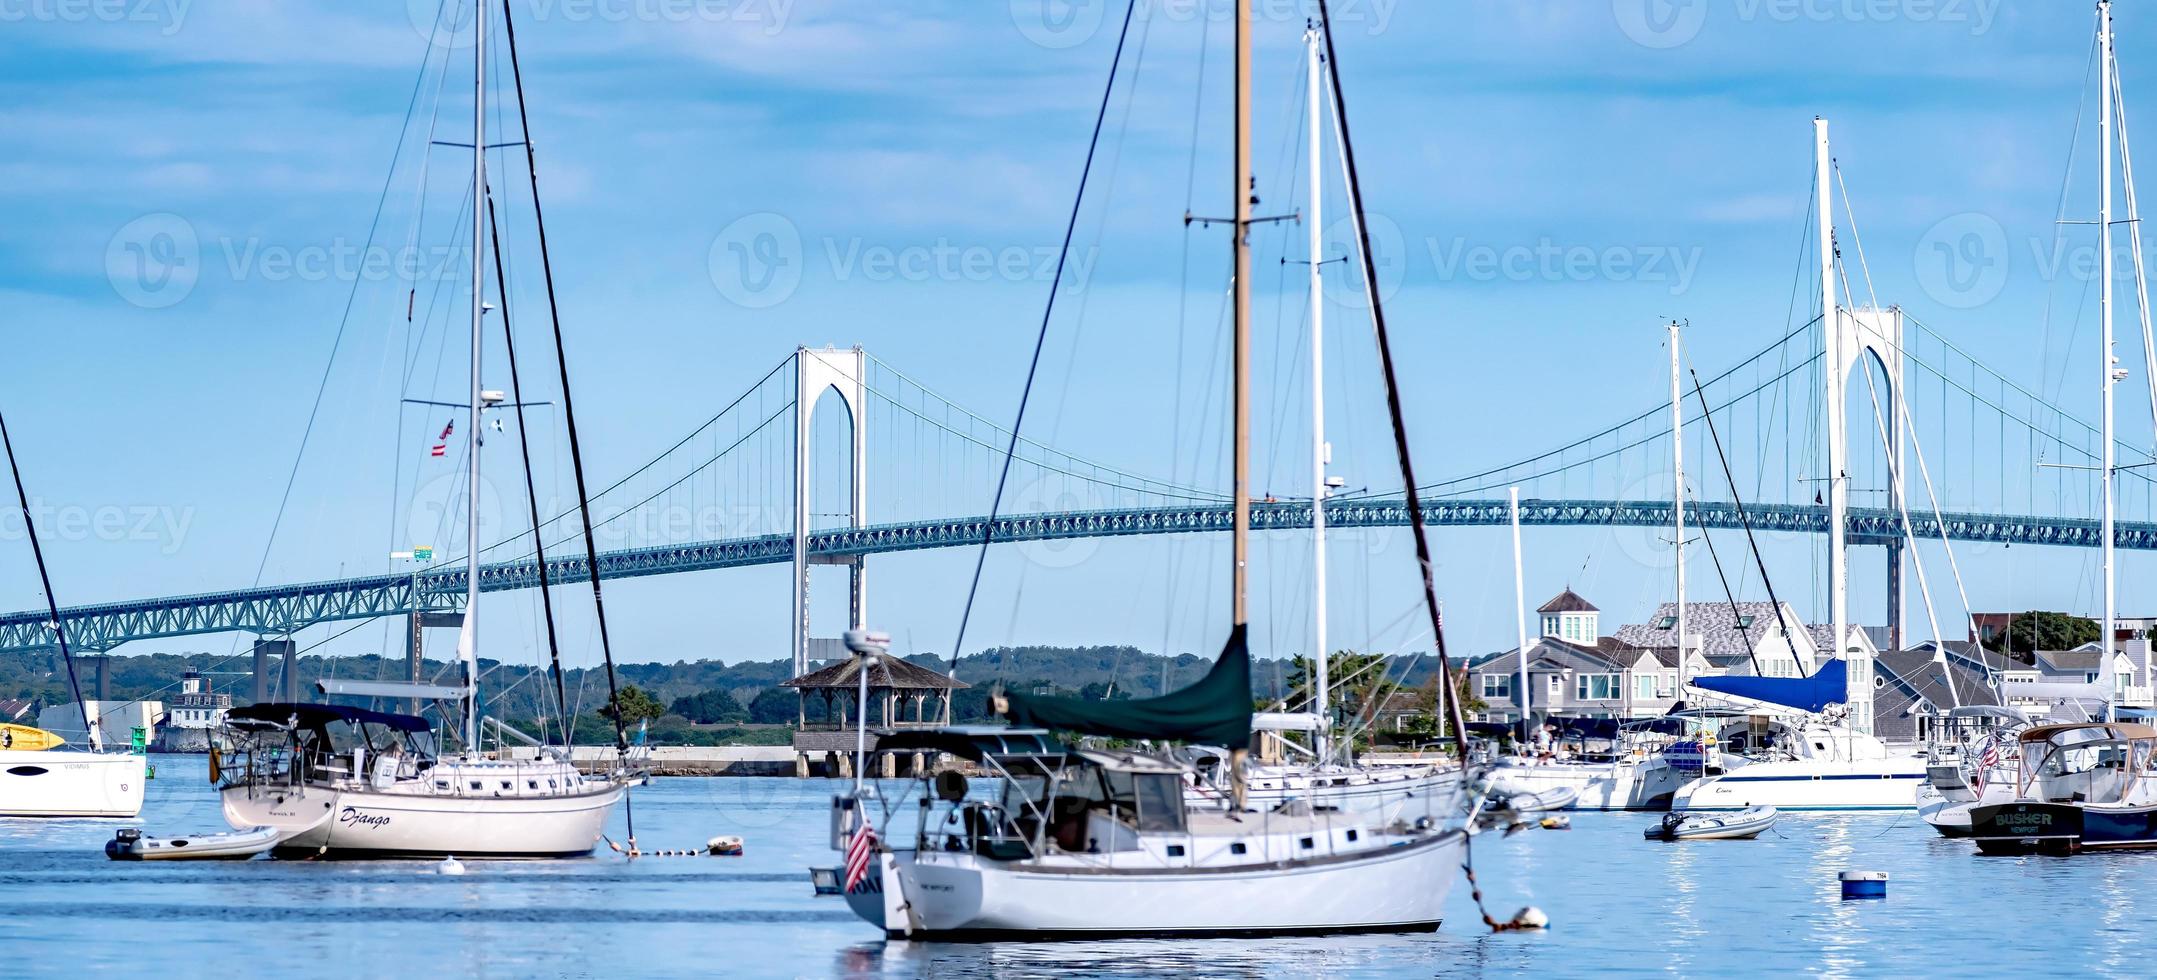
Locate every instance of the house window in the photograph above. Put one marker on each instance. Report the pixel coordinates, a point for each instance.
(1555, 685)
(1667, 622)
(1666, 685)
(1644, 686)
(1497, 686)
(2090, 678)
(1597, 687)
(1745, 622)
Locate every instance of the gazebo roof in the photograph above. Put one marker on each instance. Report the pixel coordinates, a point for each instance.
(890, 673)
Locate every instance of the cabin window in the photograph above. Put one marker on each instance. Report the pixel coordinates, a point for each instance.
(1352, 836)
(1238, 848)
(532, 783)
(506, 784)
(1308, 843)
(475, 784)
(1175, 850)
(1160, 801)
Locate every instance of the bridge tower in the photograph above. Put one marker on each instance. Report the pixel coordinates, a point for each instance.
(1850, 335)
(815, 372)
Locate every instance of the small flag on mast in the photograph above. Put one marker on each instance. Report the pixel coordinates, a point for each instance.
(441, 445)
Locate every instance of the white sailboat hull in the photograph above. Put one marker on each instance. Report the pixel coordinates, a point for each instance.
(1809, 784)
(1597, 786)
(960, 895)
(1340, 790)
(63, 783)
(371, 824)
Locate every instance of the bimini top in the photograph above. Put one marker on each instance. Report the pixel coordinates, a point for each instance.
(2121, 730)
(319, 715)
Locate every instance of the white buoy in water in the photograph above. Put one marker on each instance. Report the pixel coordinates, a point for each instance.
(449, 866)
(725, 845)
(1531, 917)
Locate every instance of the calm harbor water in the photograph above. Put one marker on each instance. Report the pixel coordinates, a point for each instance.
(1619, 906)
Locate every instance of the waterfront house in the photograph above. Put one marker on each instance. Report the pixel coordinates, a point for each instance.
(1914, 688)
(1574, 672)
(1743, 638)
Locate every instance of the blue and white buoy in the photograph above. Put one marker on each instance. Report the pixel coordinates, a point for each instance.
(1864, 884)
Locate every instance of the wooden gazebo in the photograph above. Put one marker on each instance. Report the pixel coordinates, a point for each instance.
(911, 696)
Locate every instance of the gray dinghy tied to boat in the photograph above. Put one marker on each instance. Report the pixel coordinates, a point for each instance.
(1084, 827)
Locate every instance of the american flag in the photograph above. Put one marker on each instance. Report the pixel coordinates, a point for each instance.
(441, 445)
(1987, 757)
(858, 853)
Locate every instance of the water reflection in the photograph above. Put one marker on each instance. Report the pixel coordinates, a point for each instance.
(1619, 906)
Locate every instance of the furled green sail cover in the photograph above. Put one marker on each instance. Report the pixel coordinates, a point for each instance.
(1214, 711)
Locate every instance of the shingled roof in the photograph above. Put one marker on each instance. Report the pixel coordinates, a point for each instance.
(1716, 625)
(1566, 602)
(889, 673)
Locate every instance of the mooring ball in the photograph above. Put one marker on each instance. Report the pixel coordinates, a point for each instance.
(1531, 918)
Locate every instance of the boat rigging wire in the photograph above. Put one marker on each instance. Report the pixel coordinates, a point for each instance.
(1033, 366)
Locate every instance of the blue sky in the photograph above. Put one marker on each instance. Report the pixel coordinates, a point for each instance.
(1668, 142)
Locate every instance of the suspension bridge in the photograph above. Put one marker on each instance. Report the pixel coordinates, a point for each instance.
(1993, 462)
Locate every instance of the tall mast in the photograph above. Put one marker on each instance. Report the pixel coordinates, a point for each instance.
(2104, 318)
(1838, 484)
(1520, 609)
(468, 634)
(1319, 449)
(1677, 495)
(1240, 549)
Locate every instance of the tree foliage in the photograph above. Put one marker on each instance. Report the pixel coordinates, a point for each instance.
(636, 706)
(2043, 630)
(712, 707)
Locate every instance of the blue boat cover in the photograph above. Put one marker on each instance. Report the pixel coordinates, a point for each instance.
(1828, 685)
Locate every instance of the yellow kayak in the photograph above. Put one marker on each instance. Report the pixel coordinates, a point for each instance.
(23, 738)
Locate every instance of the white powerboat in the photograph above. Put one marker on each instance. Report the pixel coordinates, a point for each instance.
(69, 783)
(1323, 787)
(388, 795)
(1096, 843)
(1812, 765)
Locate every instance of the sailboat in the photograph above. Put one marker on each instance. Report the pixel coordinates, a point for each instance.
(2079, 787)
(39, 775)
(1639, 774)
(1330, 780)
(350, 782)
(1099, 842)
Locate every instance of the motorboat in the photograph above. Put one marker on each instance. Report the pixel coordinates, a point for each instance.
(1742, 825)
(1971, 761)
(386, 792)
(2077, 787)
(240, 845)
(1637, 772)
(1094, 843)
